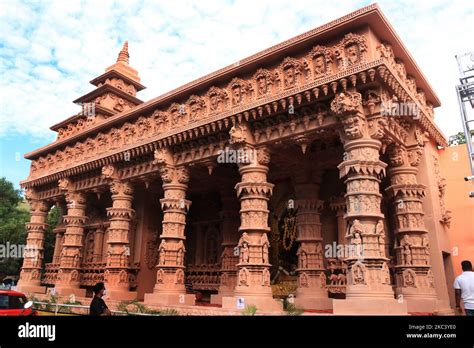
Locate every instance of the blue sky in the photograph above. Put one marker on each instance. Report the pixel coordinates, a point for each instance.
(49, 50)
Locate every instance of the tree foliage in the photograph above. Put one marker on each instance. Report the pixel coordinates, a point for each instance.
(457, 139)
(12, 225)
(14, 214)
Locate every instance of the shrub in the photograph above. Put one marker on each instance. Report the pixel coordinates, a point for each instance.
(250, 310)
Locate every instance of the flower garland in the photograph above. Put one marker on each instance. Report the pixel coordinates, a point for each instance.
(289, 232)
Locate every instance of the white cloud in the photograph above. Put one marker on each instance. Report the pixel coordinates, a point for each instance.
(49, 51)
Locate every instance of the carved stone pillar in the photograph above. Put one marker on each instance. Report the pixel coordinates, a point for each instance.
(253, 277)
(98, 242)
(117, 273)
(311, 292)
(30, 275)
(59, 231)
(169, 287)
(69, 276)
(414, 278)
(229, 258)
(339, 207)
(368, 278)
(58, 236)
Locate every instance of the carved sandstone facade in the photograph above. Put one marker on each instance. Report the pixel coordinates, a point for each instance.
(237, 184)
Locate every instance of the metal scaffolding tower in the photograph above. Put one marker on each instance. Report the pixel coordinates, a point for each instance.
(465, 93)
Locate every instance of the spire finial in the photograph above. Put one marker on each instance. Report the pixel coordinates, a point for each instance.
(123, 55)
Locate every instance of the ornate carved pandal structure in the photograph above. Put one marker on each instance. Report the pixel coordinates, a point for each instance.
(322, 102)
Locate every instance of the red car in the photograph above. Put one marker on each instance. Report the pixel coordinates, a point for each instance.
(14, 303)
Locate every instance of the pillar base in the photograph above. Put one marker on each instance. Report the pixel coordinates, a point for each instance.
(33, 289)
(121, 295)
(170, 299)
(216, 299)
(66, 291)
(443, 307)
(266, 304)
(418, 300)
(318, 303)
(419, 305)
(368, 306)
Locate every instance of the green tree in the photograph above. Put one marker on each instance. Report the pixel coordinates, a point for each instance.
(457, 139)
(14, 214)
(12, 225)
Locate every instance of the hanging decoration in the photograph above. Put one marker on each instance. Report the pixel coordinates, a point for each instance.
(289, 229)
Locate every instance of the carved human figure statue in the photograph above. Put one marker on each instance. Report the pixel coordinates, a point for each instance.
(214, 102)
(352, 53)
(244, 252)
(358, 274)
(262, 86)
(179, 258)
(236, 95)
(303, 257)
(319, 65)
(243, 276)
(356, 231)
(290, 77)
(408, 279)
(303, 280)
(161, 259)
(407, 253)
(76, 256)
(357, 242)
(244, 248)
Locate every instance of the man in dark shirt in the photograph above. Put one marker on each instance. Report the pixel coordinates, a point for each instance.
(98, 306)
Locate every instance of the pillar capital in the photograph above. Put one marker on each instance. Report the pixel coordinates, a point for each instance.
(37, 205)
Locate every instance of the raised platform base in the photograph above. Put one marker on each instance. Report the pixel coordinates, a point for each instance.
(70, 291)
(117, 295)
(170, 299)
(32, 289)
(317, 303)
(216, 299)
(369, 306)
(443, 308)
(267, 304)
(420, 305)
